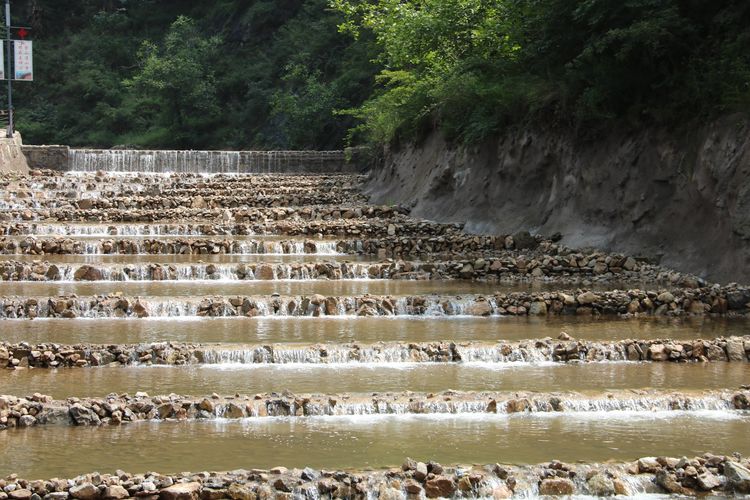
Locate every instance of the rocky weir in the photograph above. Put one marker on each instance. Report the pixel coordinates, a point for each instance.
(632, 303)
(697, 476)
(39, 409)
(283, 273)
(497, 270)
(734, 349)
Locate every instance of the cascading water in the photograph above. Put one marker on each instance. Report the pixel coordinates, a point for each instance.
(307, 355)
(250, 306)
(226, 162)
(92, 160)
(502, 354)
(135, 246)
(100, 230)
(196, 272)
(356, 405)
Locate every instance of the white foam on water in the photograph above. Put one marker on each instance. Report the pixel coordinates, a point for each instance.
(639, 415)
(506, 365)
(358, 365)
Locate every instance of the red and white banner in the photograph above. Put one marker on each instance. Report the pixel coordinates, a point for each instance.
(23, 55)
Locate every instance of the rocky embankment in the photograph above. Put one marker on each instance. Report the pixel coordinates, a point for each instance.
(115, 409)
(697, 476)
(679, 194)
(565, 350)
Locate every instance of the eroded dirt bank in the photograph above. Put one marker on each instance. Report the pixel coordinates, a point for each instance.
(679, 195)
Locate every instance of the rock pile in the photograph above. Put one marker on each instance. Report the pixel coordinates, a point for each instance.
(728, 301)
(736, 349)
(116, 409)
(692, 477)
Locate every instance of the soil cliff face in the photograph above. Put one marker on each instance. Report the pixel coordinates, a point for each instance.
(679, 195)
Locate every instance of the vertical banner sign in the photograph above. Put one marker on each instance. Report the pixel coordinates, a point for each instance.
(2, 62)
(24, 60)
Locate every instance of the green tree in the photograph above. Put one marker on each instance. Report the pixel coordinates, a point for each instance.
(470, 67)
(176, 87)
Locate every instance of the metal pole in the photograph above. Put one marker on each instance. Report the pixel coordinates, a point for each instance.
(8, 75)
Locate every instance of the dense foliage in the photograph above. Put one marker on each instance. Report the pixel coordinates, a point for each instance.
(472, 66)
(301, 73)
(191, 74)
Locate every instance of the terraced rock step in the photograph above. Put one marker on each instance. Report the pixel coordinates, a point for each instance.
(315, 357)
(208, 215)
(114, 195)
(14, 270)
(698, 476)
(729, 301)
(182, 246)
(163, 295)
(447, 254)
(103, 260)
(159, 202)
(39, 409)
(52, 179)
(354, 227)
(21, 355)
(382, 247)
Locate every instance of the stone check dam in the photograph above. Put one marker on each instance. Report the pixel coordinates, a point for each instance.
(252, 318)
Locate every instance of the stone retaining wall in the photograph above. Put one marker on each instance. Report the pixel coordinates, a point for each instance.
(11, 159)
(46, 157)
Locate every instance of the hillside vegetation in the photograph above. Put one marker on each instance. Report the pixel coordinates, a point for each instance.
(318, 73)
(191, 74)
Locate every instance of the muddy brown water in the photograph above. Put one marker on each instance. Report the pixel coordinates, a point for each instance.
(366, 378)
(360, 442)
(352, 442)
(353, 329)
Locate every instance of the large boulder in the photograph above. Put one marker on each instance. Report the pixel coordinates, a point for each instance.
(738, 477)
(83, 416)
(556, 486)
(264, 272)
(85, 491)
(181, 491)
(587, 298)
(600, 485)
(88, 273)
(19, 494)
(115, 492)
(440, 486)
(738, 299)
(523, 240)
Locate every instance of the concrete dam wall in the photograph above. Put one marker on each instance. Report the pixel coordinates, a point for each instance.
(64, 158)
